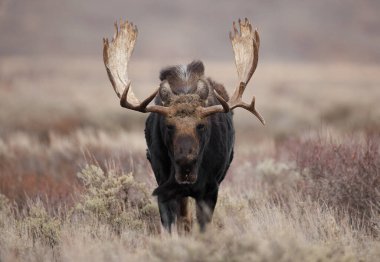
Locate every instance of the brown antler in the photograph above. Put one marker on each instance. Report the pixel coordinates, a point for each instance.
(245, 44)
(116, 55)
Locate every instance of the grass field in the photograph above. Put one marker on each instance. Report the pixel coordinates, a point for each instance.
(75, 184)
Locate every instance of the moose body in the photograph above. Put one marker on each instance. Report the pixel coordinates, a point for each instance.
(204, 149)
(189, 133)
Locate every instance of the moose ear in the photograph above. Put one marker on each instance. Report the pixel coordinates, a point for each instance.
(202, 89)
(165, 92)
(196, 68)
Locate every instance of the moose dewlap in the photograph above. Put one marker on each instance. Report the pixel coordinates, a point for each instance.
(189, 133)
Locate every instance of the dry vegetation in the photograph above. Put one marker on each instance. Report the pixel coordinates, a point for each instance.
(75, 184)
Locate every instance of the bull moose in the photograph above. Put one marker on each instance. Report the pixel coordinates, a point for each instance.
(189, 131)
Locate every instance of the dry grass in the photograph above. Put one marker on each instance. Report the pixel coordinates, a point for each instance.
(31, 168)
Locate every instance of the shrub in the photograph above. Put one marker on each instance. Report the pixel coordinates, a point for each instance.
(344, 175)
(40, 226)
(117, 200)
(277, 175)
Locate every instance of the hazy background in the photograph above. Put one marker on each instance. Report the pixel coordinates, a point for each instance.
(327, 30)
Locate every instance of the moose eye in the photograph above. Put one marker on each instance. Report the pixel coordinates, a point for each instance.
(200, 127)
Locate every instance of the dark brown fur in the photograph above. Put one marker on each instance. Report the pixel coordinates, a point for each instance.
(189, 154)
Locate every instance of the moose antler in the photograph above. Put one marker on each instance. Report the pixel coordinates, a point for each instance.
(116, 55)
(245, 44)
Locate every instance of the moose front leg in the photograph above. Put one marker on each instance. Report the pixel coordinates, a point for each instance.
(184, 219)
(168, 212)
(175, 211)
(205, 209)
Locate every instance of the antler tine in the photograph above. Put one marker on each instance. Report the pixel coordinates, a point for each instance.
(116, 55)
(251, 108)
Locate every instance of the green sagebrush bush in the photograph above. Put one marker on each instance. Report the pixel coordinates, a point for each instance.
(41, 226)
(117, 200)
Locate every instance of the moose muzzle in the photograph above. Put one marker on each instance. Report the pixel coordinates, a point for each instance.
(186, 155)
